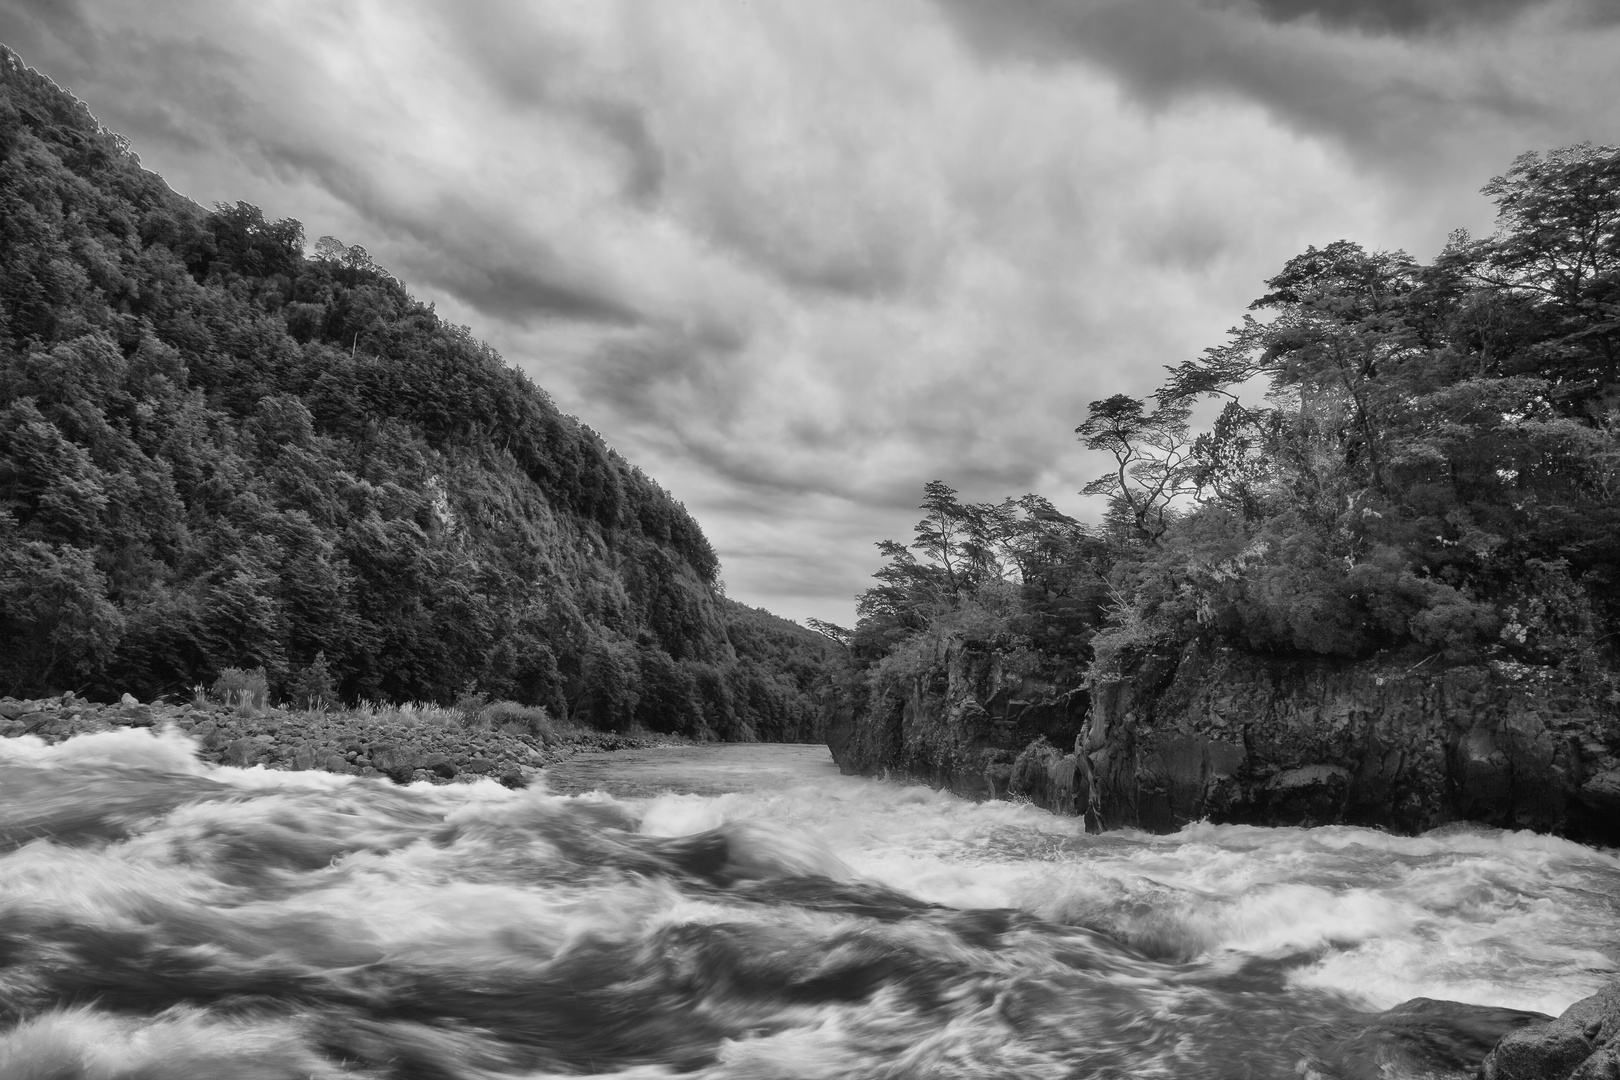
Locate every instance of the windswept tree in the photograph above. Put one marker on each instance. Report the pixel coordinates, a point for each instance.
(1151, 452)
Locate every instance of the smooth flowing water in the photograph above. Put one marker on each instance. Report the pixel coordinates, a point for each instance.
(739, 911)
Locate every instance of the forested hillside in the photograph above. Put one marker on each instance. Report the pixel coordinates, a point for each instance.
(1408, 464)
(217, 451)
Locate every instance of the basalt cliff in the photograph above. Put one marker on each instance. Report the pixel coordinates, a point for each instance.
(1212, 733)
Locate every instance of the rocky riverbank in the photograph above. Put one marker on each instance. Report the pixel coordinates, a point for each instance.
(1216, 734)
(404, 745)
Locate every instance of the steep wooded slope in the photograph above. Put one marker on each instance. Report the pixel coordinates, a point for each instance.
(218, 452)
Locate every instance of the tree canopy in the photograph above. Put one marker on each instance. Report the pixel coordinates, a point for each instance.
(1408, 457)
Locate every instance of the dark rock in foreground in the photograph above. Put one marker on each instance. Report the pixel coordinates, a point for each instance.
(1425, 1037)
(1582, 1044)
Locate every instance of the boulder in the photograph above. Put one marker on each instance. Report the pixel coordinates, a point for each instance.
(1424, 1037)
(439, 764)
(242, 752)
(1582, 1044)
(395, 761)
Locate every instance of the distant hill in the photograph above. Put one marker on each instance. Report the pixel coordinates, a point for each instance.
(218, 452)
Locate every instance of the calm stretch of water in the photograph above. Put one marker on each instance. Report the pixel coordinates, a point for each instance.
(735, 912)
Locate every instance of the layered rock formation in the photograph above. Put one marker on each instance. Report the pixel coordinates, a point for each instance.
(1213, 733)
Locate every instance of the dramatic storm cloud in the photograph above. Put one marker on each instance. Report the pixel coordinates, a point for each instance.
(796, 260)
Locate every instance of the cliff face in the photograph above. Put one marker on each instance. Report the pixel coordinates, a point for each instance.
(1216, 734)
(964, 728)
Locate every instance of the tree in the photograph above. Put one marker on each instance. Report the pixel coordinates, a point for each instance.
(1558, 239)
(56, 626)
(1150, 451)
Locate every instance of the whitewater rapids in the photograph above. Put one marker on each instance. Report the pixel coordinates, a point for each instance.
(161, 918)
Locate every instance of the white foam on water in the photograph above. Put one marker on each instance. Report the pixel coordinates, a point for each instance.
(361, 889)
(164, 751)
(181, 1044)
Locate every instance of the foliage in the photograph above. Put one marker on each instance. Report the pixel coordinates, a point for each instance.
(217, 452)
(1411, 458)
(249, 690)
(311, 687)
(1434, 438)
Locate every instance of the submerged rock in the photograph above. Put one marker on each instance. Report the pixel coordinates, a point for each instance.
(1425, 1037)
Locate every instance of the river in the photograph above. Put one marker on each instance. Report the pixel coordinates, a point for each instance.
(740, 911)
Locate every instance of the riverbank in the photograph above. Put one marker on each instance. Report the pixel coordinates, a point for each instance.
(403, 743)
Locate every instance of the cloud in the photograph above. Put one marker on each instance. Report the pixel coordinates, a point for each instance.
(1406, 17)
(1419, 86)
(795, 260)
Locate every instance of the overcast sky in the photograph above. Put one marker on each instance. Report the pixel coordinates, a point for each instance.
(797, 258)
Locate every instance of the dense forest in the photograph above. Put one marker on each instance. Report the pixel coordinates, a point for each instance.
(1400, 459)
(218, 451)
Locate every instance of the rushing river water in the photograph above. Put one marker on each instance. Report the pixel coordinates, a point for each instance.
(739, 911)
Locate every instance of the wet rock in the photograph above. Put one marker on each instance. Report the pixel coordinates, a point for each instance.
(438, 764)
(242, 752)
(478, 766)
(303, 758)
(1581, 1043)
(10, 709)
(1602, 793)
(1425, 1037)
(1312, 795)
(336, 763)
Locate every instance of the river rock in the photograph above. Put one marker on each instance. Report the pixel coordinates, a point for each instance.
(1582, 1044)
(1424, 1037)
(242, 752)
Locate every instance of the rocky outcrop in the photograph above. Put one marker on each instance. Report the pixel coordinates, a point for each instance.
(974, 726)
(1582, 1044)
(1218, 734)
(1213, 733)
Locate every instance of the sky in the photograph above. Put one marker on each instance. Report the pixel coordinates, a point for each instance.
(798, 259)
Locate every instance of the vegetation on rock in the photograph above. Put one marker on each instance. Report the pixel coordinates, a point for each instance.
(1417, 464)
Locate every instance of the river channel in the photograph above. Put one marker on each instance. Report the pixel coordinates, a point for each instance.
(741, 911)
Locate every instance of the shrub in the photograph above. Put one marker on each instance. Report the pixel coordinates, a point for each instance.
(522, 719)
(471, 705)
(312, 687)
(248, 690)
